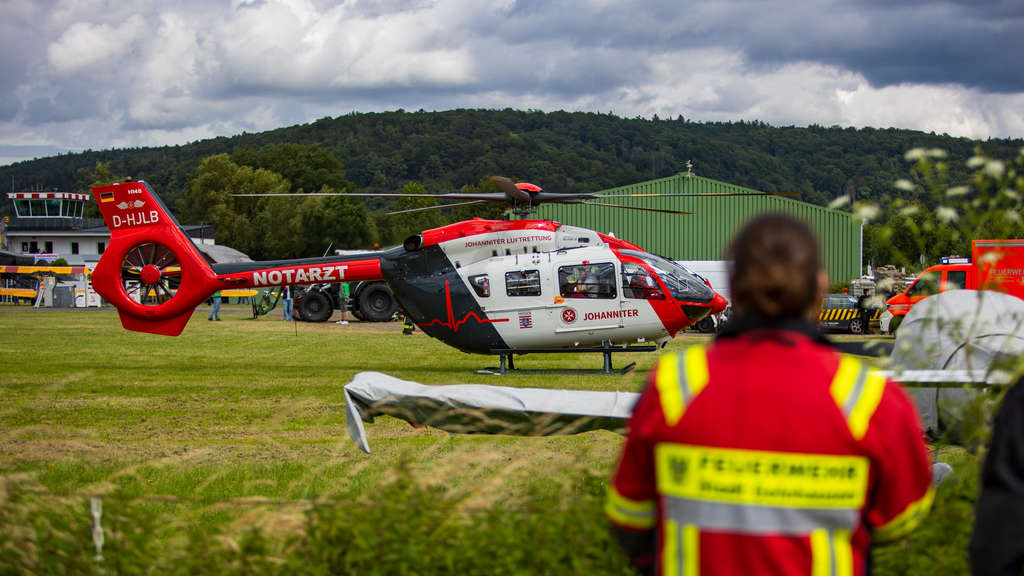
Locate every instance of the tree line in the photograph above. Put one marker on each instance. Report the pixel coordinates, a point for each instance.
(562, 151)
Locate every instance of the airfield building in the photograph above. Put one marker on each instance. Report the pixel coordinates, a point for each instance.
(704, 234)
(51, 225)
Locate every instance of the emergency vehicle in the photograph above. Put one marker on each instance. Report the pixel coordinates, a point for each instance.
(993, 265)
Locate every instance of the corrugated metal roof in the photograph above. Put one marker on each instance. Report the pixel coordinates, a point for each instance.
(705, 234)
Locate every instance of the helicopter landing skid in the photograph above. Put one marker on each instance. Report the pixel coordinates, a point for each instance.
(506, 362)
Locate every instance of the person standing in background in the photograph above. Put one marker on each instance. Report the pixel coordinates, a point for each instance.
(215, 313)
(286, 298)
(343, 295)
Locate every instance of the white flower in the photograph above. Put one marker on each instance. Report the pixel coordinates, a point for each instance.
(905, 185)
(910, 210)
(839, 202)
(995, 168)
(945, 214)
(957, 191)
(936, 153)
(976, 161)
(868, 212)
(915, 154)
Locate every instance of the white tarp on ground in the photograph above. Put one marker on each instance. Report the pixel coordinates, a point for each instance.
(482, 409)
(960, 332)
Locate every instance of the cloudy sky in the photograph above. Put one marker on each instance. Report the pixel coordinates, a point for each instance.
(77, 74)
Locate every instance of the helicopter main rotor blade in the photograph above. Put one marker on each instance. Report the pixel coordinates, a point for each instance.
(481, 197)
(635, 208)
(697, 194)
(438, 207)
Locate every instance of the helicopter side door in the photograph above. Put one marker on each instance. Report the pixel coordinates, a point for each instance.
(515, 292)
(588, 299)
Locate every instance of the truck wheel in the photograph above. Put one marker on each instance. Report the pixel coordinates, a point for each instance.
(856, 327)
(315, 307)
(377, 304)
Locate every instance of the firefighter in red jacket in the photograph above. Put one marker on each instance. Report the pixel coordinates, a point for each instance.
(768, 452)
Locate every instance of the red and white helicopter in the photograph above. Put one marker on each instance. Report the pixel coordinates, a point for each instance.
(499, 287)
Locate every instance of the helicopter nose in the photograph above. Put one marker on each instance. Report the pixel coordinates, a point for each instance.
(718, 303)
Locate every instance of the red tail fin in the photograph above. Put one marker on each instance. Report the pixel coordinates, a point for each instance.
(151, 271)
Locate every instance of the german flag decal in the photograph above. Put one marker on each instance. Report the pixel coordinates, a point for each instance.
(107, 196)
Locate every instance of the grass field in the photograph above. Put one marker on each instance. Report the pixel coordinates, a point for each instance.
(245, 408)
(239, 424)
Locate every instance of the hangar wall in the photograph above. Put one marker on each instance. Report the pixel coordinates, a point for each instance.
(704, 234)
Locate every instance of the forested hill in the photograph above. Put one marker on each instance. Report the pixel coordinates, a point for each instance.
(561, 151)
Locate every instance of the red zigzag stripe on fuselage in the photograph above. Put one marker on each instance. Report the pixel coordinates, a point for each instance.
(451, 324)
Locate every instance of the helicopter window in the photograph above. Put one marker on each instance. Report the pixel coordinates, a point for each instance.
(587, 281)
(525, 283)
(636, 282)
(681, 282)
(481, 285)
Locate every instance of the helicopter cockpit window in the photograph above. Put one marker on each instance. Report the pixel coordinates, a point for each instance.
(681, 282)
(481, 285)
(587, 281)
(524, 283)
(636, 282)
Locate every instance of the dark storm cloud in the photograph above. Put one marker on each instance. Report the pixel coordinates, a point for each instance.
(152, 73)
(16, 40)
(970, 43)
(967, 43)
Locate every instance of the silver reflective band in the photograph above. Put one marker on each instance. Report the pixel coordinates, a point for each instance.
(855, 391)
(754, 519)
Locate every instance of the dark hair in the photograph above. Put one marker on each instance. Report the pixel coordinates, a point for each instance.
(775, 267)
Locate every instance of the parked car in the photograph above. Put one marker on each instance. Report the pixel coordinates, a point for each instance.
(839, 313)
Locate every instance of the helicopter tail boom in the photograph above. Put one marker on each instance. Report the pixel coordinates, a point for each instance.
(155, 275)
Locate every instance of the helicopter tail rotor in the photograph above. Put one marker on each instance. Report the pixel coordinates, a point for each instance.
(151, 271)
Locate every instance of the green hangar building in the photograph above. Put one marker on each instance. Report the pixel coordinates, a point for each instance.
(704, 234)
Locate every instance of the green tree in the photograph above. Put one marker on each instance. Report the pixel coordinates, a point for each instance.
(307, 166)
(335, 221)
(256, 226)
(933, 217)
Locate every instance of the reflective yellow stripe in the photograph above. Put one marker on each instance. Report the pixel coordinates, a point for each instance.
(907, 520)
(857, 390)
(781, 479)
(821, 555)
(670, 549)
(668, 388)
(843, 381)
(831, 553)
(843, 553)
(866, 405)
(676, 389)
(691, 550)
(696, 370)
(640, 514)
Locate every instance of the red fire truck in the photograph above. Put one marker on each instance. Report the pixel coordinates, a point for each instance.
(993, 265)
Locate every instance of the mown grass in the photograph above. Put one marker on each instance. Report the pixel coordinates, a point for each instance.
(252, 408)
(228, 445)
